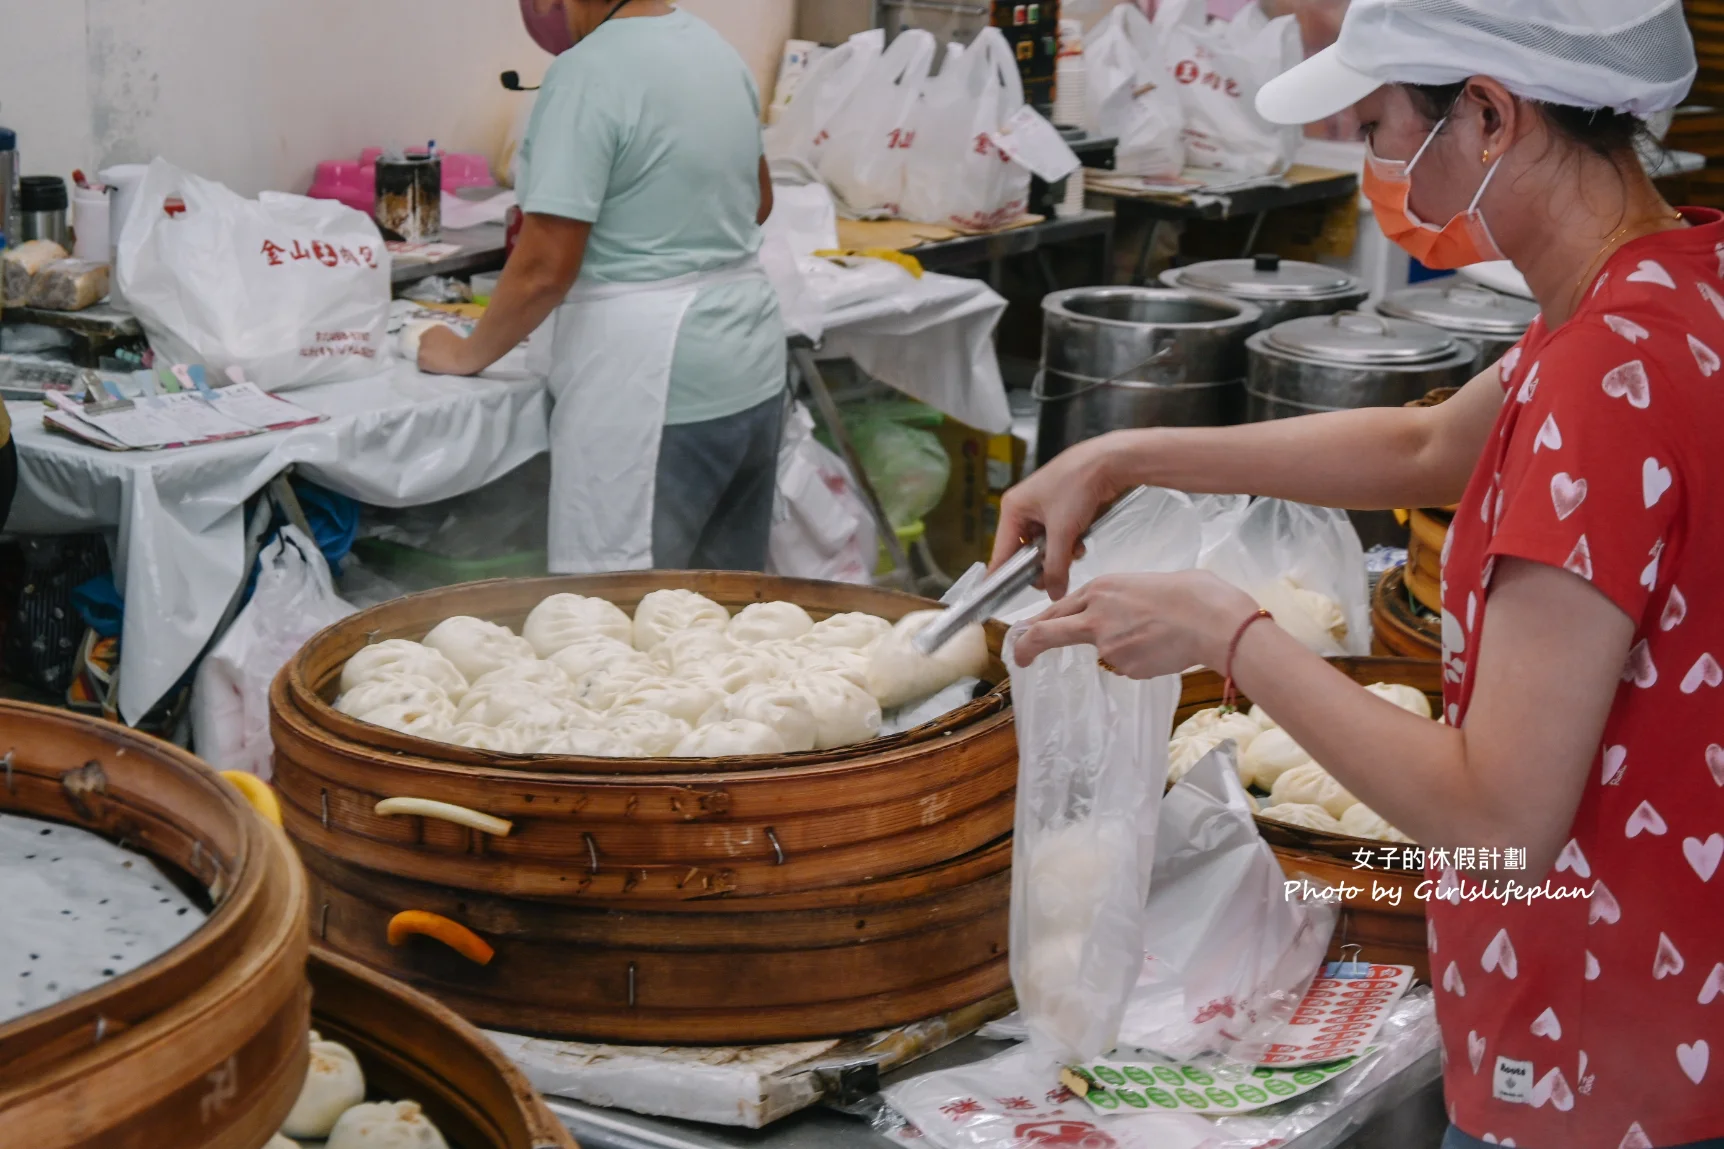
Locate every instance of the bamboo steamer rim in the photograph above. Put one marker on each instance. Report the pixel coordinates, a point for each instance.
(463, 1071)
(1202, 689)
(310, 690)
(1395, 622)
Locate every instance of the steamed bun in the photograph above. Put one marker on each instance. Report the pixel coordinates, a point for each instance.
(546, 718)
(680, 698)
(599, 690)
(420, 721)
(844, 713)
(664, 612)
(653, 734)
(1311, 785)
(898, 674)
(730, 739)
(1234, 725)
(849, 663)
(847, 631)
(731, 672)
(596, 652)
(566, 618)
(764, 621)
(476, 737)
(545, 675)
(385, 1125)
(333, 1085)
(406, 689)
(1270, 755)
(1303, 814)
(1186, 751)
(1408, 698)
(577, 743)
(477, 647)
(398, 658)
(494, 704)
(780, 706)
(687, 649)
(1361, 821)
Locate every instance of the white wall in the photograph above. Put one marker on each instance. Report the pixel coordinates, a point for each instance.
(255, 92)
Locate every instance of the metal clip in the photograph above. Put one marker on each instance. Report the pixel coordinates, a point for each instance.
(777, 849)
(631, 985)
(323, 800)
(592, 852)
(7, 761)
(101, 1028)
(323, 924)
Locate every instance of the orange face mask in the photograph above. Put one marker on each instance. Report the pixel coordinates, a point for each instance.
(1462, 242)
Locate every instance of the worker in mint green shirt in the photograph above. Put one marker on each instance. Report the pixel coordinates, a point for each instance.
(643, 178)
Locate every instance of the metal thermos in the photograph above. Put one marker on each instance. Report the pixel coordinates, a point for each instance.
(8, 187)
(42, 204)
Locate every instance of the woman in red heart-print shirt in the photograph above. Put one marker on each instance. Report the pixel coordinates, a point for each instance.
(1583, 588)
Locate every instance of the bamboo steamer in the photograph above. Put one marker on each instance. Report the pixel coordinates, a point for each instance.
(411, 1048)
(1428, 532)
(729, 901)
(1397, 629)
(205, 1047)
(1385, 931)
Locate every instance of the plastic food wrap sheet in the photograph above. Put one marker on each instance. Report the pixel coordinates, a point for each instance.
(79, 911)
(1092, 763)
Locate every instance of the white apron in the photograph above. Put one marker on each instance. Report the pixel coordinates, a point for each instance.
(609, 376)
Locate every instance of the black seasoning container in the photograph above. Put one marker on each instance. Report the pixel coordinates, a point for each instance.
(410, 197)
(42, 204)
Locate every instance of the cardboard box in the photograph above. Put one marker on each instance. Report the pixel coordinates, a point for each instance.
(961, 529)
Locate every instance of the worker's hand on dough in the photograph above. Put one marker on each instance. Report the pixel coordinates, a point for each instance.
(1144, 625)
(442, 352)
(1059, 502)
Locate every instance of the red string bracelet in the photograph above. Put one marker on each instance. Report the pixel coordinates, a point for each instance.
(1228, 694)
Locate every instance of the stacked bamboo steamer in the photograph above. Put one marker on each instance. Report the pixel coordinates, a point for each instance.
(1388, 928)
(721, 901)
(206, 1046)
(1399, 629)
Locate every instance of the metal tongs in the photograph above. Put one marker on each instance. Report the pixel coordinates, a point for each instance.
(1015, 574)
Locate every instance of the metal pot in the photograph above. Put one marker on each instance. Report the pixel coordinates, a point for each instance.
(1349, 360)
(1489, 320)
(1282, 289)
(1116, 357)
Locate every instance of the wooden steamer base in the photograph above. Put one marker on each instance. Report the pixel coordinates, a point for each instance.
(1384, 931)
(206, 1046)
(711, 902)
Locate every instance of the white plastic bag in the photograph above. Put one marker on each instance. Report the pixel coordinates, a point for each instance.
(1230, 955)
(1092, 761)
(821, 528)
(957, 175)
(801, 131)
(869, 140)
(294, 291)
(294, 599)
(1306, 566)
(1130, 97)
(1218, 68)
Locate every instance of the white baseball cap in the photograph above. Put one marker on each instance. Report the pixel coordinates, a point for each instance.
(1628, 55)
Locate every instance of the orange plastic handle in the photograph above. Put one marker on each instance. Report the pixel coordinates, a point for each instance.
(452, 934)
(257, 792)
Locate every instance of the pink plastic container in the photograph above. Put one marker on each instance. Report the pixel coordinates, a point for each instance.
(355, 184)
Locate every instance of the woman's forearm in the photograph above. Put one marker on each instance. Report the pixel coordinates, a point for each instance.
(545, 264)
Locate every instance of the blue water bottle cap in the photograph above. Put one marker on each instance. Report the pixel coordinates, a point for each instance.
(8, 140)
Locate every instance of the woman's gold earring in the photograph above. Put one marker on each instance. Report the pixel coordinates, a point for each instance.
(1487, 158)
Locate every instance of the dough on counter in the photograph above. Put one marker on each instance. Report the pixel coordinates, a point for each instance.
(850, 631)
(844, 713)
(1271, 754)
(780, 706)
(682, 699)
(566, 618)
(1361, 821)
(477, 647)
(898, 674)
(1408, 698)
(385, 1125)
(1303, 814)
(764, 621)
(731, 739)
(397, 657)
(1311, 785)
(664, 612)
(333, 1085)
(548, 676)
(597, 652)
(653, 734)
(405, 689)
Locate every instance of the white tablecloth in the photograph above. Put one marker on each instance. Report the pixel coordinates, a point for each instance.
(397, 439)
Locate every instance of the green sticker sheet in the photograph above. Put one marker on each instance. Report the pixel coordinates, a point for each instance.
(1213, 1088)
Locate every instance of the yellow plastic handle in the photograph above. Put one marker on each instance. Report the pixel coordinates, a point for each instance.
(452, 934)
(257, 792)
(1403, 517)
(444, 811)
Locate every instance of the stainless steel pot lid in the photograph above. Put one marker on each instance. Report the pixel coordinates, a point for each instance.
(1354, 339)
(1463, 307)
(1267, 277)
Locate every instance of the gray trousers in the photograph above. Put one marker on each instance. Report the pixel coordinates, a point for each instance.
(716, 485)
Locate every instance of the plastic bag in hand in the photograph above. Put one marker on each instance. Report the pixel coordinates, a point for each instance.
(956, 174)
(293, 291)
(294, 599)
(866, 152)
(1306, 566)
(1218, 68)
(1131, 98)
(1092, 762)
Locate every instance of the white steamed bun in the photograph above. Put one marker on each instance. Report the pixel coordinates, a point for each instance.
(477, 647)
(686, 649)
(476, 737)
(1311, 785)
(653, 734)
(732, 739)
(1361, 821)
(577, 743)
(731, 672)
(597, 652)
(547, 675)
(898, 674)
(599, 690)
(1186, 751)
(764, 621)
(333, 1085)
(846, 662)
(664, 612)
(566, 618)
(386, 1125)
(1303, 814)
(682, 699)
(849, 631)
(1234, 725)
(781, 706)
(844, 713)
(397, 657)
(1408, 698)
(1271, 754)
(402, 690)
(494, 704)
